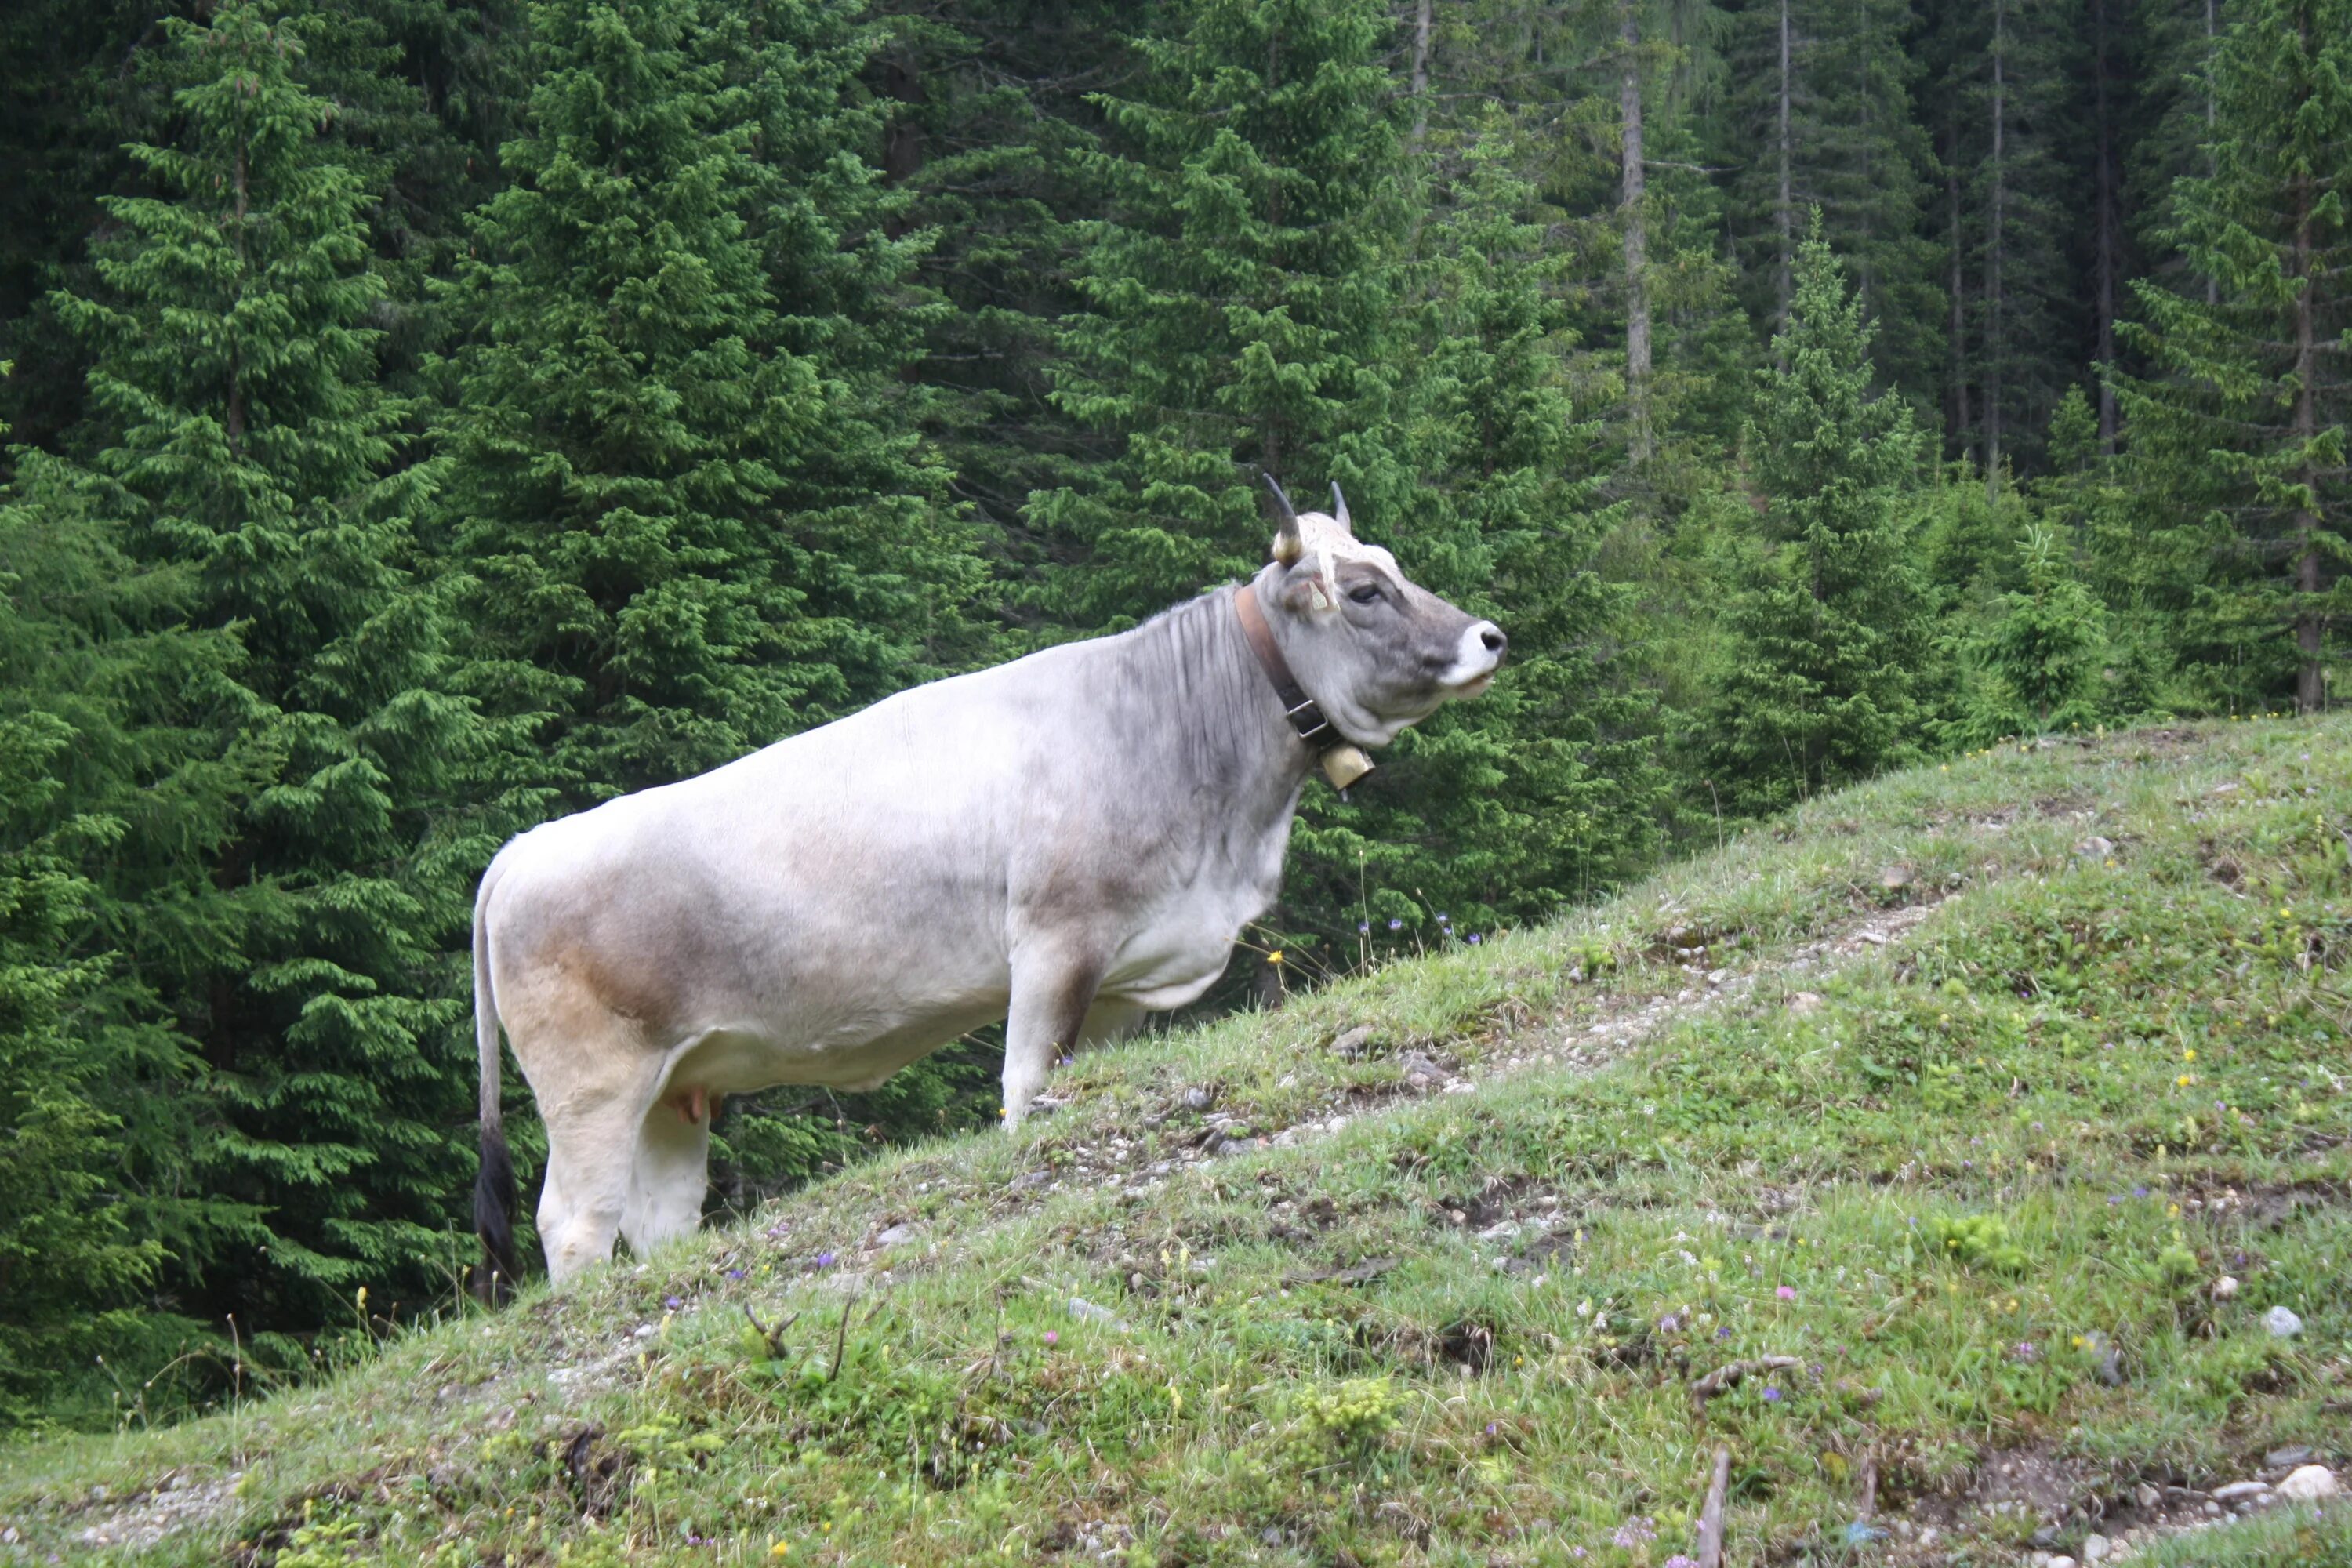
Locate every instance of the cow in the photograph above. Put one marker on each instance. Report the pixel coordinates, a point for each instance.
(1065, 843)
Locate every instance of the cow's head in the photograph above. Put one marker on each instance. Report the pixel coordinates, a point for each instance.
(1378, 652)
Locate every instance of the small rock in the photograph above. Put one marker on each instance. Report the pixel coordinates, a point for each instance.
(2045, 1536)
(2308, 1483)
(2038, 1560)
(2095, 847)
(1085, 1312)
(1509, 1266)
(9, 1537)
(1895, 877)
(2062, 1562)
(1030, 1179)
(2224, 1288)
(2213, 1507)
(2147, 1497)
(2096, 1549)
(1803, 1002)
(2286, 1458)
(1199, 1098)
(2239, 1492)
(894, 1235)
(2282, 1324)
(1351, 1043)
(645, 1331)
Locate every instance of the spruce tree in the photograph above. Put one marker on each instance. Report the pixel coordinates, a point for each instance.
(689, 535)
(688, 484)
(1548, 788)
(1243, 299)
(2238, 432)
(2011, 129)
(2045, 648)
(1818, 116)
(293, 929)
(1829, 626)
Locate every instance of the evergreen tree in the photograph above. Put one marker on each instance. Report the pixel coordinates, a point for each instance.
(293, 929)
(987, 113)
(1819, 116)
(2238, 432)
(2044, 652)
(689, 534)
(2011, 133)
(1548, 788)
(1243, 299)
(1829, 626)
(689, 482)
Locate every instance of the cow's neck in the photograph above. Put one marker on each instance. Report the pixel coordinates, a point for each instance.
(1208, 726)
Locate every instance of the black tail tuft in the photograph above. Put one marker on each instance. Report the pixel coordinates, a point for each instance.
(494, 1204)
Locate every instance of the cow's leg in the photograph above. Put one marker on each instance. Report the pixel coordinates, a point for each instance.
(672, 1172)
(1053, 994)
(592, 1138)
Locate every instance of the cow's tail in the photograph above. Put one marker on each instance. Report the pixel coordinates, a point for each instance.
(494, 1187)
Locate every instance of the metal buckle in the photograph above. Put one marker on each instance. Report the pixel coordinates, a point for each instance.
(1308, 731)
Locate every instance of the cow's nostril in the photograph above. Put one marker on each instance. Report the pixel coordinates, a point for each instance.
(1494, 640)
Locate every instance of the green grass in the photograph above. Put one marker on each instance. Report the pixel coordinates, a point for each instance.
(1973, 1182)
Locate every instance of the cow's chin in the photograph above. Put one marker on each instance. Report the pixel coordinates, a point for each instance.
(1474, 687)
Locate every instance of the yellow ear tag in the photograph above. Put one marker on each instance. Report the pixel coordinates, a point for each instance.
(1344, 764)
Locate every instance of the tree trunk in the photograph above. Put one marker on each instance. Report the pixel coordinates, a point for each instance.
(2310, 622)
(2213, 115)
(1784, 214)
(1637, 295)
(1421, 20)
(902, 139)
(1992, 338)
(1963, 441)
(2106, 227)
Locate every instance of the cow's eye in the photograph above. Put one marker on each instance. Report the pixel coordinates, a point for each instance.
(1365, 594)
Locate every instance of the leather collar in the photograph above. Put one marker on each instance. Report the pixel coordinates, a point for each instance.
(1304, 715)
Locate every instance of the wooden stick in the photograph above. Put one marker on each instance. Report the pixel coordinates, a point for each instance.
(1724, 1377)
(1710, 1517)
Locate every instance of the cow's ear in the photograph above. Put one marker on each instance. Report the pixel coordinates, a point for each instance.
(1307, 589)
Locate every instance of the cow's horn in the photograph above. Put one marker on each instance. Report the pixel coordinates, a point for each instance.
(1339, 507)
(1287, 546)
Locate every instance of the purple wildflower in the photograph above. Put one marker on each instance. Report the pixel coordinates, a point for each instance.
(1634, 1531)
(1724, 1332)
(1491, 1429)
(1363, 928)
(1786, 1292)
(1680, 1561)
(824, 1260)
(1446, 919)
(1395, 924)
(1475, 939)
(672, 1303)
(1772, 1394)
(1051, 1338)
(1671, 1323)
(2139, 1192)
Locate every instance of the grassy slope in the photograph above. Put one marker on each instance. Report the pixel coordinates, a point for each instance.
(1986, 1133)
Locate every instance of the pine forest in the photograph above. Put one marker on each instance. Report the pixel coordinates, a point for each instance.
(425, 419)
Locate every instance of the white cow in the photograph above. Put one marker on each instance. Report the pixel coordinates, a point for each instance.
(1066, 842)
